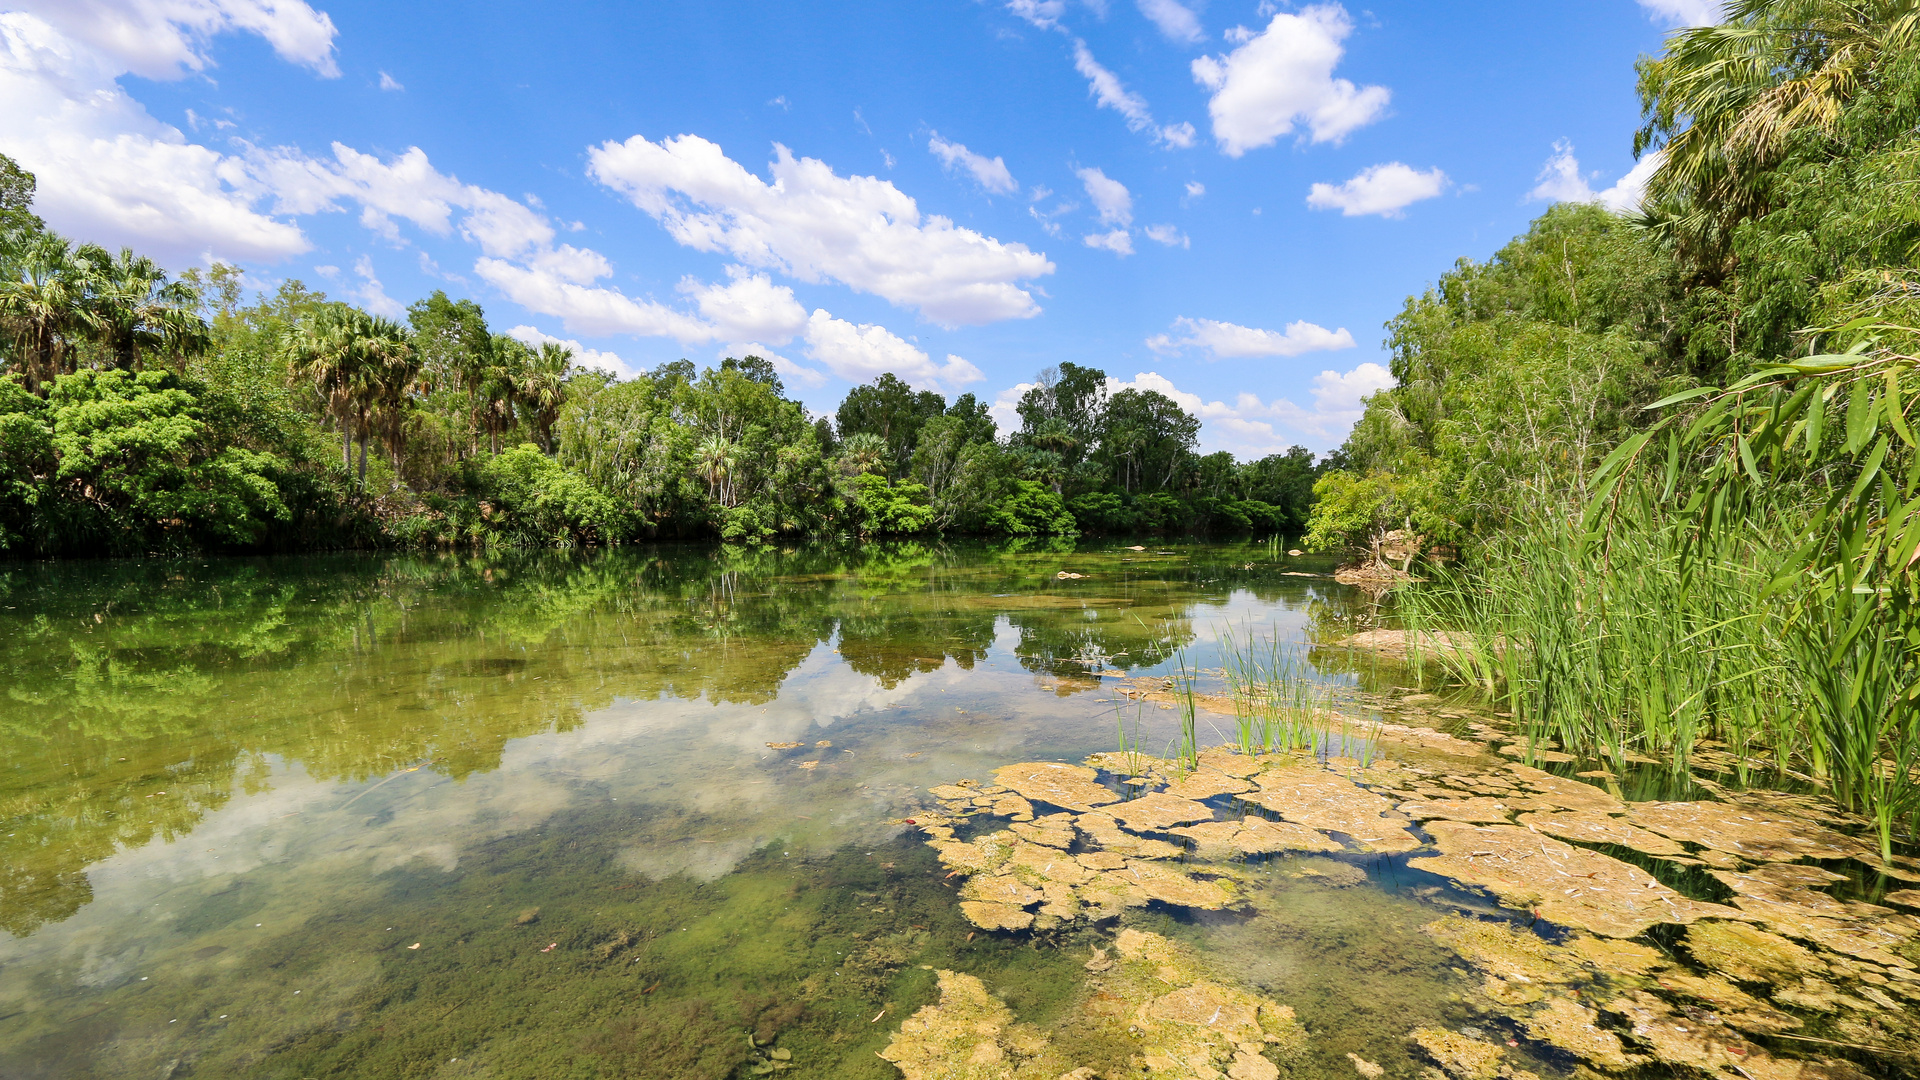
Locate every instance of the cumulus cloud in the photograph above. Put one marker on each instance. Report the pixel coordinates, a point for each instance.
(748, 308)
(1380, 189)
(1110, 197)
(859, 353)
(388, 82)
(586, 309)
(372, 295)
(165, 39)
(1110, 93)
(1250, 427)
(814, 225)
(1118, 241)
(990, 173)
(1561, 180)
(583, 356)
(1283, 75)
(1168, 235)
(1225, 340)
(108, 170)
(1681, 13)
(1176, 22)
(1195, 189)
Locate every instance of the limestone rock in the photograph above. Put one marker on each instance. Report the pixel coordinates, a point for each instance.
(1070, 787)
(1159, 812)
(1596, 827)
(1564, 884)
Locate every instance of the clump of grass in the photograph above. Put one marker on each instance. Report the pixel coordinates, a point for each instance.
(1278, 699)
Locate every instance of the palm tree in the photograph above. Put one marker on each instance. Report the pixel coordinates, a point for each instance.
(43, 308)
(716, 459)
(1724, 102)
(134, 308)
(862, 452)
(360, 364)
(543, 389)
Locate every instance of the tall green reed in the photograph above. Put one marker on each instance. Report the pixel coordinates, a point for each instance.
(1666, 641)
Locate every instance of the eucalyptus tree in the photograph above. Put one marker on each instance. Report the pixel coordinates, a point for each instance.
(893, 412)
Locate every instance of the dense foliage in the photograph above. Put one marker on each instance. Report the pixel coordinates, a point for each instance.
(140, 413)
(1676, 449)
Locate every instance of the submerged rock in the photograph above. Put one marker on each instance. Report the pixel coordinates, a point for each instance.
(1148, 1000)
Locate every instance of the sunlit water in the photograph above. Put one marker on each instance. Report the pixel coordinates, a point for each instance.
(517, 816)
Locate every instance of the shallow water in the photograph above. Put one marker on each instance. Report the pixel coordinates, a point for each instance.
(517, 816)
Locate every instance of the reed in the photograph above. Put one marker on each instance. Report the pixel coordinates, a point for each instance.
(1280, 702)
(1665, 642)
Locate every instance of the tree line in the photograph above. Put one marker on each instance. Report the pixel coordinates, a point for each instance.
(141, 412)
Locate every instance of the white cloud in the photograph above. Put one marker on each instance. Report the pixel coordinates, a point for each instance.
(750, 307)
(1180, 136)
(1679, 13)
(109, 171)
(1110, 93)
(372, 295)
(1284, 75)
(1005, 407)
(1118, 241)
(582, 356)
(1168, 235)
(816, 226)
(1225, 340)
(166, 39)
(859, 353)
(1110, 197)
(800, 373)
(1195, 189)
(990, 173)
(1175, 21)
(1379, 189)
(1107, 89)
(585, 309)
(388, 82)
(1561, 180)
(1044, 14)
(1250, 427)
(408, 187)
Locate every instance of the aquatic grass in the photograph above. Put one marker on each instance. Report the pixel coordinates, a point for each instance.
(1670, 644)
(1278, 697)
(1189, 748)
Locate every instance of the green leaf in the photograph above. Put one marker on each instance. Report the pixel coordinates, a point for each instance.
(1684, 395)
(1895, 407)
(1870, 470)
(1746, 459)
(1859, 416)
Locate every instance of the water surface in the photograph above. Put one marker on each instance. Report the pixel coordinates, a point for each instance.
(518, 815)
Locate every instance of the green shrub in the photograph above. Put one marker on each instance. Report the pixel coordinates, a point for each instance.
(527, 498)
(1030, 508)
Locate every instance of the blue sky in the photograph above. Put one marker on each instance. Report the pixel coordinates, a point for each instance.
(1224, 200)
